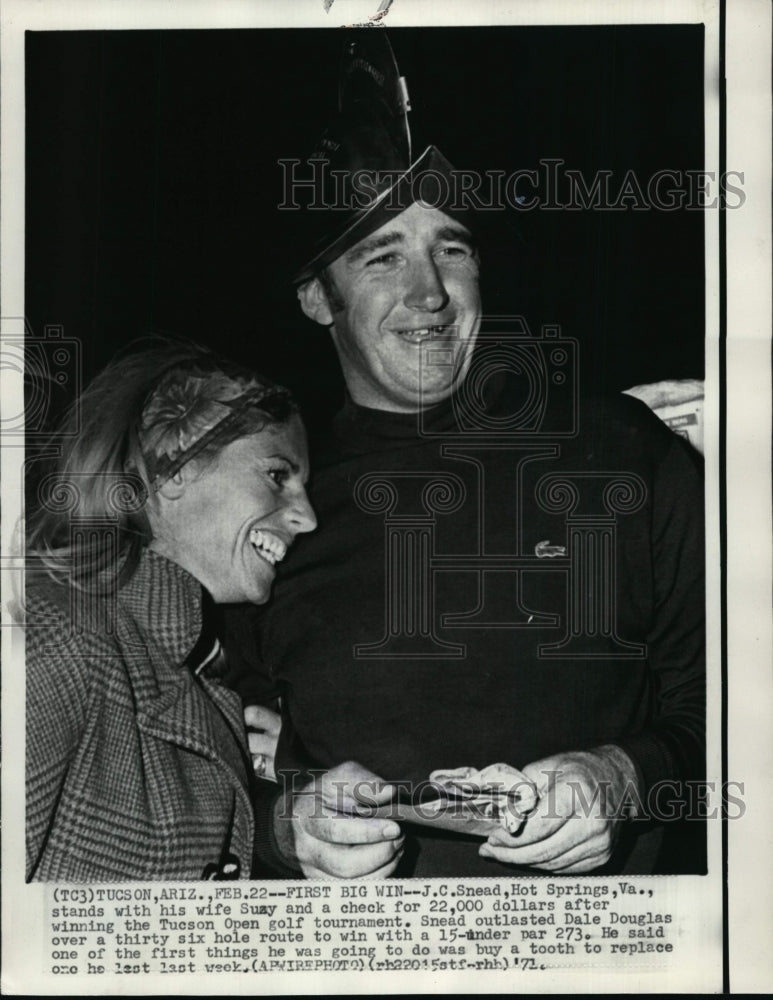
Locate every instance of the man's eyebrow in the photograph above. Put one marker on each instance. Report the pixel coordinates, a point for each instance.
(374, 243)
(457, 234)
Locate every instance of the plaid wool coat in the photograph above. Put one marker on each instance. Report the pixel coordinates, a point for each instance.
(137, 767)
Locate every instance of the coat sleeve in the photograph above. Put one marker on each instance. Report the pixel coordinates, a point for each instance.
(57, 697)
(672, 747)
(269, 802)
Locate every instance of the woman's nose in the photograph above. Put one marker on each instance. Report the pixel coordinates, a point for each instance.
(301, 513)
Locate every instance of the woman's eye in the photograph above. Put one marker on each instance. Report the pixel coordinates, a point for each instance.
(278, 475)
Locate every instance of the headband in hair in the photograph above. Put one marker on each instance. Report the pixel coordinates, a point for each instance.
(189, 409)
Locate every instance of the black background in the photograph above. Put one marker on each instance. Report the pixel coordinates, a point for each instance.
(153, 185)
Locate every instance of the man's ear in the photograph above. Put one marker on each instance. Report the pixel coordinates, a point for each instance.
(314, 302)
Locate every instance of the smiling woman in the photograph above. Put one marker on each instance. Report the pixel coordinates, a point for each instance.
(180, 485)
(256, 484)
(210, 444)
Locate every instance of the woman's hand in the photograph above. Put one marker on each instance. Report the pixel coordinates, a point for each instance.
(263, 725)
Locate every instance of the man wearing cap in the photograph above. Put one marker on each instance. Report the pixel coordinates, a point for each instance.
(503, 574)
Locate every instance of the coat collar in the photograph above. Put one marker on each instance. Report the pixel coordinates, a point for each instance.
(165, 601)
(151, 626)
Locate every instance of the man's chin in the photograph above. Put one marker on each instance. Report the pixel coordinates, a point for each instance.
(407, 399)
(409, 402)
(431, 395)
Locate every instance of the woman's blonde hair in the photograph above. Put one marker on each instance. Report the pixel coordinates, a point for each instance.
(89, 520)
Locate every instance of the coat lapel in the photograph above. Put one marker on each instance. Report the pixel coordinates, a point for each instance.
(180, 715)
(172, 703)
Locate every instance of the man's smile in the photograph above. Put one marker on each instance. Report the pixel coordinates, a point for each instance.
(421, 333)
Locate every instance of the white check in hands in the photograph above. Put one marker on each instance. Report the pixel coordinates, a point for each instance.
(581, 798)
(499, 793)
(559, 814)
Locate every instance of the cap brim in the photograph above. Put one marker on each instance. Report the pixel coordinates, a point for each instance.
(414, 184)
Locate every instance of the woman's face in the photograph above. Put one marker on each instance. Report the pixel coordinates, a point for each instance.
(230, 522)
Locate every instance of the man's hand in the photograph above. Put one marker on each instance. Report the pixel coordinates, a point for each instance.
(577, 819)
(678, 403)
(263, 725)
(319, 830)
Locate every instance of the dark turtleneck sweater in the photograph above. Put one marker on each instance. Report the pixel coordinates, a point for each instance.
(479, 670)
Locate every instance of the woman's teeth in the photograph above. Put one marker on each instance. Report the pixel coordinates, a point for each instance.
(266, 544)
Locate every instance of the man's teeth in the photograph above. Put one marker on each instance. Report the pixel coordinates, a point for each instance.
(423, 332)
(271, 548)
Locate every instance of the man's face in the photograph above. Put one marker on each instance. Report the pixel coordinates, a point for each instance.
(409, 296)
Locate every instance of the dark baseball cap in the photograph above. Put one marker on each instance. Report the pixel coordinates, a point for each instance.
(364, 162)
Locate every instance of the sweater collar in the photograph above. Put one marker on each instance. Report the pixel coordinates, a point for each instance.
(360, 429)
